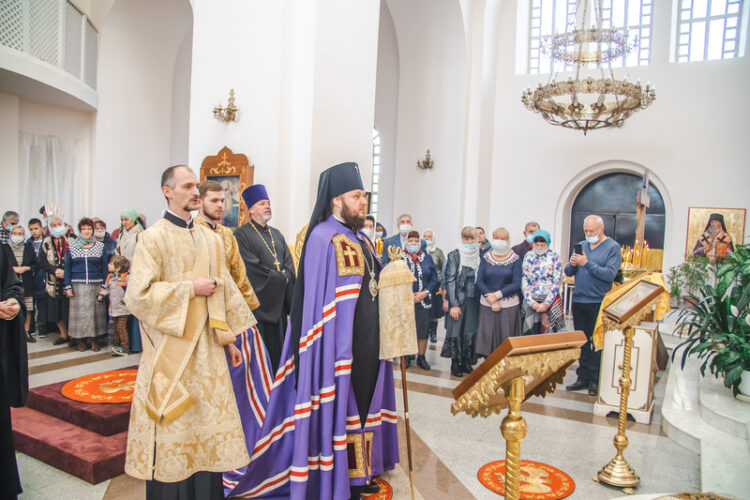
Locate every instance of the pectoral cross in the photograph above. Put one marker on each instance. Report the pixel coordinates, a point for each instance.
(276, 263)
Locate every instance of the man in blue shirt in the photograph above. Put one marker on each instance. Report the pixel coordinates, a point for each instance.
(594, 270)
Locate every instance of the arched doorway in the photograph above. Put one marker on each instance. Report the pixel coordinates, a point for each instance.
(612, 196)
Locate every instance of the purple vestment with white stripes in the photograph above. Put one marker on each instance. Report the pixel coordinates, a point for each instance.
(297, 437)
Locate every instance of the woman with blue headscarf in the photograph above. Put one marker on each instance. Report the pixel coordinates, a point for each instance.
(542, 276)
(129, 231)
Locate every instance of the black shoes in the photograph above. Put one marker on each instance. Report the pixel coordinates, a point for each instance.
(465, 366)
(408, 360)
(455, 369)
(593, 388)
(422, 362)
(59, 341)
(30, 338)
(577, 385)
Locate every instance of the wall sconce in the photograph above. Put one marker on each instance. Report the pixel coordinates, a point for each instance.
(427, 163)
(228, 114)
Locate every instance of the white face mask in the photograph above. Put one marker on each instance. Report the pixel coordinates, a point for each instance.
(540, 251)
(368, 232)
(404, 229)
(100, 234)
(16, 239)
(499, 246)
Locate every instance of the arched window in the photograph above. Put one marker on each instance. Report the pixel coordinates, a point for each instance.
(551, 17)
(709, 29)
(375, 173)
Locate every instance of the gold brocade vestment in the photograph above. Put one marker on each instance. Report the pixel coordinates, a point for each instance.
(208, 436)
(234, 263)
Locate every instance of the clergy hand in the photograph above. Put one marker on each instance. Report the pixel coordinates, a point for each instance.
(233, 355)
(204, 287)
(9, 308)
(455, 312)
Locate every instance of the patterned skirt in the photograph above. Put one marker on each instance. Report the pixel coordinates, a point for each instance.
(87, 317)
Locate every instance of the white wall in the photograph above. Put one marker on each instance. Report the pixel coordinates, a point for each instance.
(431, 115)
(181, 102)
(692, 138)
(9, 152)
(139, 42)
(386, 112)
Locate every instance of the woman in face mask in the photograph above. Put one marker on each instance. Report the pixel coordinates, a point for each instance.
(437, 304)
(424, 289)
(129, 231)
(85, 270)
(23, 260)
(101, 234)
(499, 282)
(542, 276)
(52, 260)
(460, 278)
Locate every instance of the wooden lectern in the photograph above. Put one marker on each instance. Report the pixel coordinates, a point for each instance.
(520, 368)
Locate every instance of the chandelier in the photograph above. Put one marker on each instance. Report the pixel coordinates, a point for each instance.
(591, 102)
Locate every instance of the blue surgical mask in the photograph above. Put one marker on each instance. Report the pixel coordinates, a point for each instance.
(471, 246)
(367, 232)
(530, 238)
(404, 229)
(592, 239)
(58, 232)
(9, 227)
(499, 246)
(412, 248)
(379, 234)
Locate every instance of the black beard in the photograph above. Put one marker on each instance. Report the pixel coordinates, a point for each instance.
(353, 220)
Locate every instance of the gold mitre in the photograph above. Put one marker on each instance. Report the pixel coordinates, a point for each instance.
(398, 328)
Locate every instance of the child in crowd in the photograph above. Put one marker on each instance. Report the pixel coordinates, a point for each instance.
(40, 289)
(23, 255)
(115, 286)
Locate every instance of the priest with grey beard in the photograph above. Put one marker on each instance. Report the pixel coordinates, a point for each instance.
(270, 269)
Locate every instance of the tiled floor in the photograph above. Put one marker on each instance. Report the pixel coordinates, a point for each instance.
(447, 450)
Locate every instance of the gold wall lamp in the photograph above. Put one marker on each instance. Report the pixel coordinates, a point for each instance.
(427, 163)
(228, 114)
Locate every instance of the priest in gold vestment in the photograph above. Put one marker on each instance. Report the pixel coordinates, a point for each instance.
(185, 428)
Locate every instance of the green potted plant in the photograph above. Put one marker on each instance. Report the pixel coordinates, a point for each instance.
(685, 280)
(718, 325)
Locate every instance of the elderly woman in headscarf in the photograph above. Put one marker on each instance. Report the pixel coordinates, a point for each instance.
(85, 270)
(460, 277)
(129, 230)
(542, 276)
(52, 260)
(715, 242)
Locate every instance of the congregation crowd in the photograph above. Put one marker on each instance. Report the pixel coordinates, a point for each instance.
(74, 279)
(490, 291)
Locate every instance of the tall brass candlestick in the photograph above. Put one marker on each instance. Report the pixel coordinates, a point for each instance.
(618, 472)
(514, 430)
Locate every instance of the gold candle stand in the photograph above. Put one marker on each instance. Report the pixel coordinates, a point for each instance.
(618, 472)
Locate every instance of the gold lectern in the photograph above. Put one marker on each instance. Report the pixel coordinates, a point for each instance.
(520, 368)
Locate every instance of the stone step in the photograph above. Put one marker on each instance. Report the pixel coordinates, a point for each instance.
(725, 456)
(73, 449)
(106, 419)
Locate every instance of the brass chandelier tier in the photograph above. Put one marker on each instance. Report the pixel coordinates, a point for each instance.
(588, 103)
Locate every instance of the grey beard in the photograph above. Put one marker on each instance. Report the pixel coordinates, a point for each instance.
(265, 218)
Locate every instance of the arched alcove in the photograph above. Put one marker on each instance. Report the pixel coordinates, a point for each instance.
(612, 196)
(569, 193)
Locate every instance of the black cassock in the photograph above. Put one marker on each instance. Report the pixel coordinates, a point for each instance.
(14, 379)
(273, 286)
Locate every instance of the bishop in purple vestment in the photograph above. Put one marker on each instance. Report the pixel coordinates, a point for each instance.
(325, 424)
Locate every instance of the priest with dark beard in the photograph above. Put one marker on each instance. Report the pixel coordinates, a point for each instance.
(14, 380)
(329, 425)
(270, 269)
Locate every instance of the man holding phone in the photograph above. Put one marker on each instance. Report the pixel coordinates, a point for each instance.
(594, 264)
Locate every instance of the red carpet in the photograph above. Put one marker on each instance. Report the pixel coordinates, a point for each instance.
(538, 481)
(86, 440)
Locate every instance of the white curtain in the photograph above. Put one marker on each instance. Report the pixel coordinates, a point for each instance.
(52, 171)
